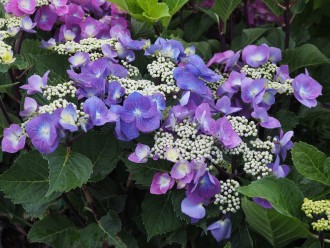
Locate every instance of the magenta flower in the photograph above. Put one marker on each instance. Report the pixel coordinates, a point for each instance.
(45, 18)
(68, 118)
(36, 83)
(13, 139)
(226, 134)
(194, 211)
(255, 56)
(220, 229)
(59, 7)
(43, 133)
(27, 6)
(253, 90)
(30, 107)
(161, 183)
(265, 120)
(306, 89)
(140, 155)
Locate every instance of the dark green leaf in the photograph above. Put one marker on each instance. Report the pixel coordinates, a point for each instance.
(110, 225)
(5, 86)
(248, 37)
(158, 215)
(224, 8)
(304, 56)
(27, 180)
(277, 229)
(311, 163)
(68, 170)
(141, 29)
(288, 119)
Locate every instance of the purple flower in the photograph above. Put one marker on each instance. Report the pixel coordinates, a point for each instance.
(140, 155)
(161, 183)
(79, 59)
(59, 7)
(97, 111)
(172, 154)
(262, 202)
(279, 170)
(109, 52)
(275, 54)
(125, 45)
(203, 116)
(48, 44)
(159, 99)
(36, 83)
(220, 229)
(255, 56)
(183, 172)
(140, 111)
(306, 89)
(253, 90)
(204, 189)
(68, 118)
(283, 144)
(27, 6)
(225, 133)
(195, 211)
(173, 49)
(90, 27)
(30, 107)
(282, 73)
(27, 25)
(223, 105)
(265, 120)
(268, 99)
(43, 133)
(45, 18)
(115, 93)
(233, 83)
(13, 139)
(220, 58)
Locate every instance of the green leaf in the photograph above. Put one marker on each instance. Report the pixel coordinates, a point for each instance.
(141, 29)
(311, 163)
(5, 86)
(277, 229)
(175, 5)
(158, 215)
(224, 8)
(102, 149)
(154, 11)
(27, 180)
(271, 4)
(53, 230)
(282, 193)
(143, 173)
(68, 170)
(304, 56)
(20, 63)
(4, 68)
(111, 225)
(288, 119)
(248, 37)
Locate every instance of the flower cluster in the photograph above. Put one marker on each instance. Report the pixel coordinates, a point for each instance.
(207, 123)
(319, 211)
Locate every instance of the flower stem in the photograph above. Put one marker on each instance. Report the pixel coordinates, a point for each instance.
(287, 23)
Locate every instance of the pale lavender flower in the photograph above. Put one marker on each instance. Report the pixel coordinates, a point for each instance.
(140, 155)
(13, 139)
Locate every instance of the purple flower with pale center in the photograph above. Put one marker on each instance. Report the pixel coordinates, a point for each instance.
(306, 90)
(268, 99)
(282, 73)
(115, 93)
(97, 111)
(161, 183)
(27, 6)
(204, 189)
(275, 54)
(220, 58)
(59, 7)
(255, 56)
(220, 229)
(140, 155)
(27, 25)
(45, 18)
(173, 49)
(183, 172)
(224, 105)
(30, 107)
(140, 111)
(172, 154)
(48, 44)
(233, 83)
(224, 131)
(90, 27)
(125, 45)
(159, 99)
(68, 118)
(85, 123)
(13, 139)
(36, 83)
(194, 211)
(265, 120)
(283, 144)
(253, 90)
(279, 170)
(262, 202)
(79, 59)
(43, 133)
(109, 52)
(203, 117)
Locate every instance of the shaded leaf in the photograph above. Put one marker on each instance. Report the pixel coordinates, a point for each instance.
(224, 8)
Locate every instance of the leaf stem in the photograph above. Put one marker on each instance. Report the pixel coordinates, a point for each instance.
(90, 202)
(221, 30)
(73, 210)
(4, 112)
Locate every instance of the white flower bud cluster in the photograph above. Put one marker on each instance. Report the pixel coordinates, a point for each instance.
(190, 144)
(145, 87)
(259, 144)
(240, 149)
(10, 21)
(90, 45)
(51, 107)
(42, 3)
(60, 90)
(163, 68)
(132, 70)
(228, 199)
(242, 126)
(267, 71)
(281, 88)
(255, 163)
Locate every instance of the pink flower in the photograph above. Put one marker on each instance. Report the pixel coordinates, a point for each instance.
(161, 183)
